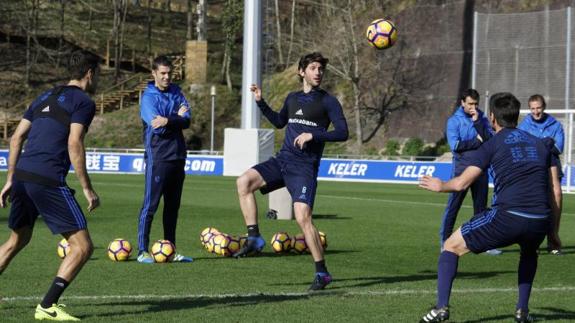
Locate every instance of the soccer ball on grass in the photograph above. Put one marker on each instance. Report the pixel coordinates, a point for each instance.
(163, 251)
(119, 250)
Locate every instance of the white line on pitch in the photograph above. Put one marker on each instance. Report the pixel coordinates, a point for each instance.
(265, 294)
(329, 196)
(404, 202)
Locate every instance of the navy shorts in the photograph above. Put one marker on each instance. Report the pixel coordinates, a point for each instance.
(57, 205)
(300, 179)
(496, 229)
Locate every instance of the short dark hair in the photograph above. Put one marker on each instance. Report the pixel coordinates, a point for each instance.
(472, 93)
(80, 62)
(505, 108)
(162, 60)
(305, 60)
(538, 97)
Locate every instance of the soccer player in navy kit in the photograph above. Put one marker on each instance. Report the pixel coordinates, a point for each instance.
(306, 115)
(165, 112)
(467, 129)
(55, 125)
(543, 125)
(521, 210)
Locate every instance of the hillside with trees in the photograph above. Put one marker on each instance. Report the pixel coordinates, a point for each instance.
(404, 92)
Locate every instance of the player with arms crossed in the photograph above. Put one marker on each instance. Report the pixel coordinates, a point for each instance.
(55, 125)
(165, 112)
(522, 166)
(543, 125)
(467, 129)
(306, 115)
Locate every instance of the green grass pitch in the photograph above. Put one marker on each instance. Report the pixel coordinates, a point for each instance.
(382, 253)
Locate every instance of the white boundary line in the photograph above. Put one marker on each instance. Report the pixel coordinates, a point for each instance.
(404, 202)
(568, 289)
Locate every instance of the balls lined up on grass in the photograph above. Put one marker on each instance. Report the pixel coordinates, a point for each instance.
(63, 248)
(119, 250)
(298, 244)
(207, 234)
(221, 244)
(163, 251)
(281, 242)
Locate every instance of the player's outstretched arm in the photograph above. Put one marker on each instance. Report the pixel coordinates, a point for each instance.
(279, 120)
(16, 143)
(455, 184)
(78, 158)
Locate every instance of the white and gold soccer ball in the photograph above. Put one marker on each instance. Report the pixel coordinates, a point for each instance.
(281, 242)
(163, 251)
(119, 250)
(63, 248)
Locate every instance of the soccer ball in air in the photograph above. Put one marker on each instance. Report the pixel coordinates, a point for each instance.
(281, 242)
(221, 245)
(381, 33)
(163, 251)
(298, 244)
(63, 248)
(119, 250)
(207, 234)
(323, 240)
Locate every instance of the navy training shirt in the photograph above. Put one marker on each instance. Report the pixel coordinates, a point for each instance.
(520, 163)
(310, 112)
(45, 158)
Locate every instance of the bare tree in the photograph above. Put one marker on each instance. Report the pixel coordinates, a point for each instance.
(120, 11)
(190, 21)
(149, 23)
(201, 27)
(231, 25)
(292, 23)
(30, 28)
(61, 38)
(278, 33)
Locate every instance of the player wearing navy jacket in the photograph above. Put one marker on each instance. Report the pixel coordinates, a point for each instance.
(543, 125)
(522, 166)
(307, 115)
(54, 125)
(165, 112)
(467, 129)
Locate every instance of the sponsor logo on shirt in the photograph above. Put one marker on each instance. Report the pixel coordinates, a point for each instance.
(302, 121)
(299, 112)
(46, 109)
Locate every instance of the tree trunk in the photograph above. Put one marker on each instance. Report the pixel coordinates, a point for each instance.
(292, 23)
(279, 34)
(228, 76)
(149, 21)
(224, 64)
(30, 33)
(355, 79)
(122, 25)
(61, 40)
(116, 33)
(190, 21)
(201, 27)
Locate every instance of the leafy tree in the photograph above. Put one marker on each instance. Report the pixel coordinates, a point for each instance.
(413, 147)
(392, 147)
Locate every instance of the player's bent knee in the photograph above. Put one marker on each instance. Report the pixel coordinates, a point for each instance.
(243, 184)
